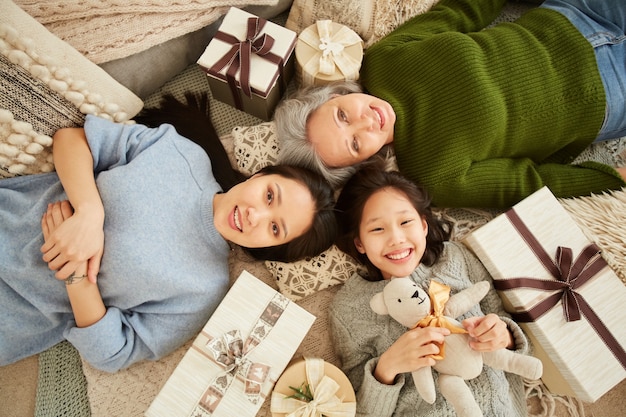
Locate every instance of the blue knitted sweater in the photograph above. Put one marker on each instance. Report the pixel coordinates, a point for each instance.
(164, 268)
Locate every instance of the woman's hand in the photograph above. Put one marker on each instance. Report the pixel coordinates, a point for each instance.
(80, 237)
(622, 172)
(71, 239)
(84, 296)
(488, 333)
(410, 352)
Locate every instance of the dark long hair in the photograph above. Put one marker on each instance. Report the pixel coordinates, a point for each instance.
(369, 179)
(192, 120)
(322, 232)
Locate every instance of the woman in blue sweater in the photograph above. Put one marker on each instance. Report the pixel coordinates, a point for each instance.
(148, 218)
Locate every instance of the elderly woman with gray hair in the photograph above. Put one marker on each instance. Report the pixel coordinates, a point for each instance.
(481, 117)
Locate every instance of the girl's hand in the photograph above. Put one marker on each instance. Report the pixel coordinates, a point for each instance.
(71, 239)
(410, 352)
(488, 333)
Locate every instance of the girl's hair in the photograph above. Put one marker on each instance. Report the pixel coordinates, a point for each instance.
(322, 233)
(373, 177)
(291, 117)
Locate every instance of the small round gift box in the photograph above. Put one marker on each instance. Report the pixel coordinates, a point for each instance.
(313, 387)
(327, 51)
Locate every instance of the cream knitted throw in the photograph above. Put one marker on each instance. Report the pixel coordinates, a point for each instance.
(45, 85)
(104, 30)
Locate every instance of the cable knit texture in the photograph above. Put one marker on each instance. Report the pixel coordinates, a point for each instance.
(371, 19)
(114, 29)
(45, 85)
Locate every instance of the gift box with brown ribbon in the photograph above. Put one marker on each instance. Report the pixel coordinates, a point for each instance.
(249, 62)
(555, 283)
(327, 51)
(238, 356)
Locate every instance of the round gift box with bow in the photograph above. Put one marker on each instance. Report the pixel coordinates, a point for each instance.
(327, 51)
(329, 389)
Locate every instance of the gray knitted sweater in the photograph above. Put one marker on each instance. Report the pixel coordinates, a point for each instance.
(360, 336)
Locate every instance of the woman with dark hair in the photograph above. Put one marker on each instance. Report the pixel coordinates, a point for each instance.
(140, 209)
(387, 222)
(480, 116)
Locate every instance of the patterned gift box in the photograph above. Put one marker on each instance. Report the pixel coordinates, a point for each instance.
(556, 284)
(327, 51)
(238, 356)
(249, 62)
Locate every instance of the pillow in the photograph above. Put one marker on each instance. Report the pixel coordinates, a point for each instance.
(45, 85)
(371, 19)
(298, 279)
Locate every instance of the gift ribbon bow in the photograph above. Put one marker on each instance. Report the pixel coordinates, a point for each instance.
(238, 57)
(439, 295)
(569, 275)
(330, 52)
(325, 401)
(229, 352)
(232, 353)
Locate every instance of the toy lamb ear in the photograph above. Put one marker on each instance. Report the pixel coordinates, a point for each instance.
(377, 303)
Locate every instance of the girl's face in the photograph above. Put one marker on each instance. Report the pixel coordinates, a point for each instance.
(265, 210)
(392, 233)
(350, 128)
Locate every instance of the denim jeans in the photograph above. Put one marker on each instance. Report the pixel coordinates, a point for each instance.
(603, 23)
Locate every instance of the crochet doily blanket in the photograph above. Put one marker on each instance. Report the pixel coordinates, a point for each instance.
(104, 30)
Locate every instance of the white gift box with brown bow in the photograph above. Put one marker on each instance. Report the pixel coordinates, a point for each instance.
(555, 283)
(238, 356)
(249, 62)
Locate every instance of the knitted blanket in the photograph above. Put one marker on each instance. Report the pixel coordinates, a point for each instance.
(106, 30)
(45, 84)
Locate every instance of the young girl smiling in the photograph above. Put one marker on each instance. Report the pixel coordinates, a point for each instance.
(387, 223)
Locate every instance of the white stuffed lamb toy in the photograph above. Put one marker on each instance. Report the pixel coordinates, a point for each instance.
(406, 302)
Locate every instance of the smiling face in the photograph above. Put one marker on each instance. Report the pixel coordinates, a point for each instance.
(350, 128)
(265, 210)
(392, 233)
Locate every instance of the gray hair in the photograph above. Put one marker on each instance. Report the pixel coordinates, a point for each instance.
(291, 117)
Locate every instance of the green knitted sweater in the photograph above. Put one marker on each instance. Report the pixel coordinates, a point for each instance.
(486, 117)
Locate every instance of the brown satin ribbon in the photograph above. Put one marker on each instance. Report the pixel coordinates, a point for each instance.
(570, 274)
(439, 295)
(238, 57)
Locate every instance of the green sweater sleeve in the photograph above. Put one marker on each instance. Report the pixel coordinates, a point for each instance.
(485, 118)
(502, 182)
